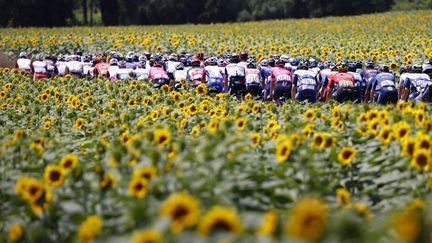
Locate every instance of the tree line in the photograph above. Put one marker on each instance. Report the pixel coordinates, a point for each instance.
(126, 12)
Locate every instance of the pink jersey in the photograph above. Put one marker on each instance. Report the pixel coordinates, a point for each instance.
(156, 73)
(253, 76)
(281, 75)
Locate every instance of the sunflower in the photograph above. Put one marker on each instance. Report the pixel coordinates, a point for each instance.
(182, 209)
(362, 210)
(107, 180)
(385, 135)
(89, 229)
(346, 155)
(165, 88)
(283, 150)
(147, 172)
(241, 123)
(408, 147)
(308, 219)
(406, 225)
(319, 140)
(421, 159)
(255, 138)
(146, 236)
(192, 109)
(34, 190)
(18, 134)
(420, 117)
(15, 232)
(138, 187)
(342, 196)
(402, 130)
(423, 141)
(220, 219)
(201, 89)
(373, 126)
(54, 175)
(79, 123)
(42, 204)
(309, 115)
(213, 125)
(69, 161)
(269, 224)
(161, 136)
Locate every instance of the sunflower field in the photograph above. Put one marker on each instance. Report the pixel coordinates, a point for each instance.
(99, 161)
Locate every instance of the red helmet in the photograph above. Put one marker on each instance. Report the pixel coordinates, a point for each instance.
(196, 62)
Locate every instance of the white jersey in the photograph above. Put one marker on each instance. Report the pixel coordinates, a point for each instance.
(39, 67)
(141, 73)
(180, 75)
(87, 69)
(62, 68)
(243, 64)
(316, 70)
(112, 70)
(417, 81)
(24, 64)
(50, 66)
(75, 67)
(214, 73)
(357, 77)
(235, 71)
(171, 66)
(124, 73)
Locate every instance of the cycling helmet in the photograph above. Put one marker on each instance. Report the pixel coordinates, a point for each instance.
(264, 62)
(221, 62)
(359, 64)
(180, 66)
(116, 56)
(173, 57)
(342, 67)
(294, 61)
(196, 62)
(147, 54)
(113, 62)
(302, 66)
(272, 62)
(352, 66)
(211, 61)
(234, 58)
(142, 58)
(122, 64)
(427, 66)
(87, 58)
(39, 57)
(244, 55)
(313, 63)
(251, 65)
(384, 68)
(61, 58)
(141, 64)
(23, 55)
(281, 62)
(129, 57)
(370, 64)
(416, 68)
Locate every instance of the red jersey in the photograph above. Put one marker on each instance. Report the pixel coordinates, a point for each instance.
(101, 69)
(156, 73)
(281, 75)
(340, 80)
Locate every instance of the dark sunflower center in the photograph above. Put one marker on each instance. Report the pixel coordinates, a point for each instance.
(138, 187)
(240, 124)
(410, 148)
(54, 175)
(386, 135)
(162, 138)
(284, 151)
(424, 144)
(318, 140)
(180, 212)
(402, 132)
(346, 154)
(422, 160)
(221, 226)
(33, 190)
(310, 221)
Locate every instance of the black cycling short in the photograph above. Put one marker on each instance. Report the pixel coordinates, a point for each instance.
(282, 90)
(254, 89)
(345, 94)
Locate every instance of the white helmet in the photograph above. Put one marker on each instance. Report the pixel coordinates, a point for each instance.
(113, 62)
(23, 55)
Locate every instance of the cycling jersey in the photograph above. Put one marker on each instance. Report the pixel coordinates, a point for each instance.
(124, 73)
(24, 64)
(141, 73)
(40, 70)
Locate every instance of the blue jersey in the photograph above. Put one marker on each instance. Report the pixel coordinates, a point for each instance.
(384, 80)
(265, 73)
